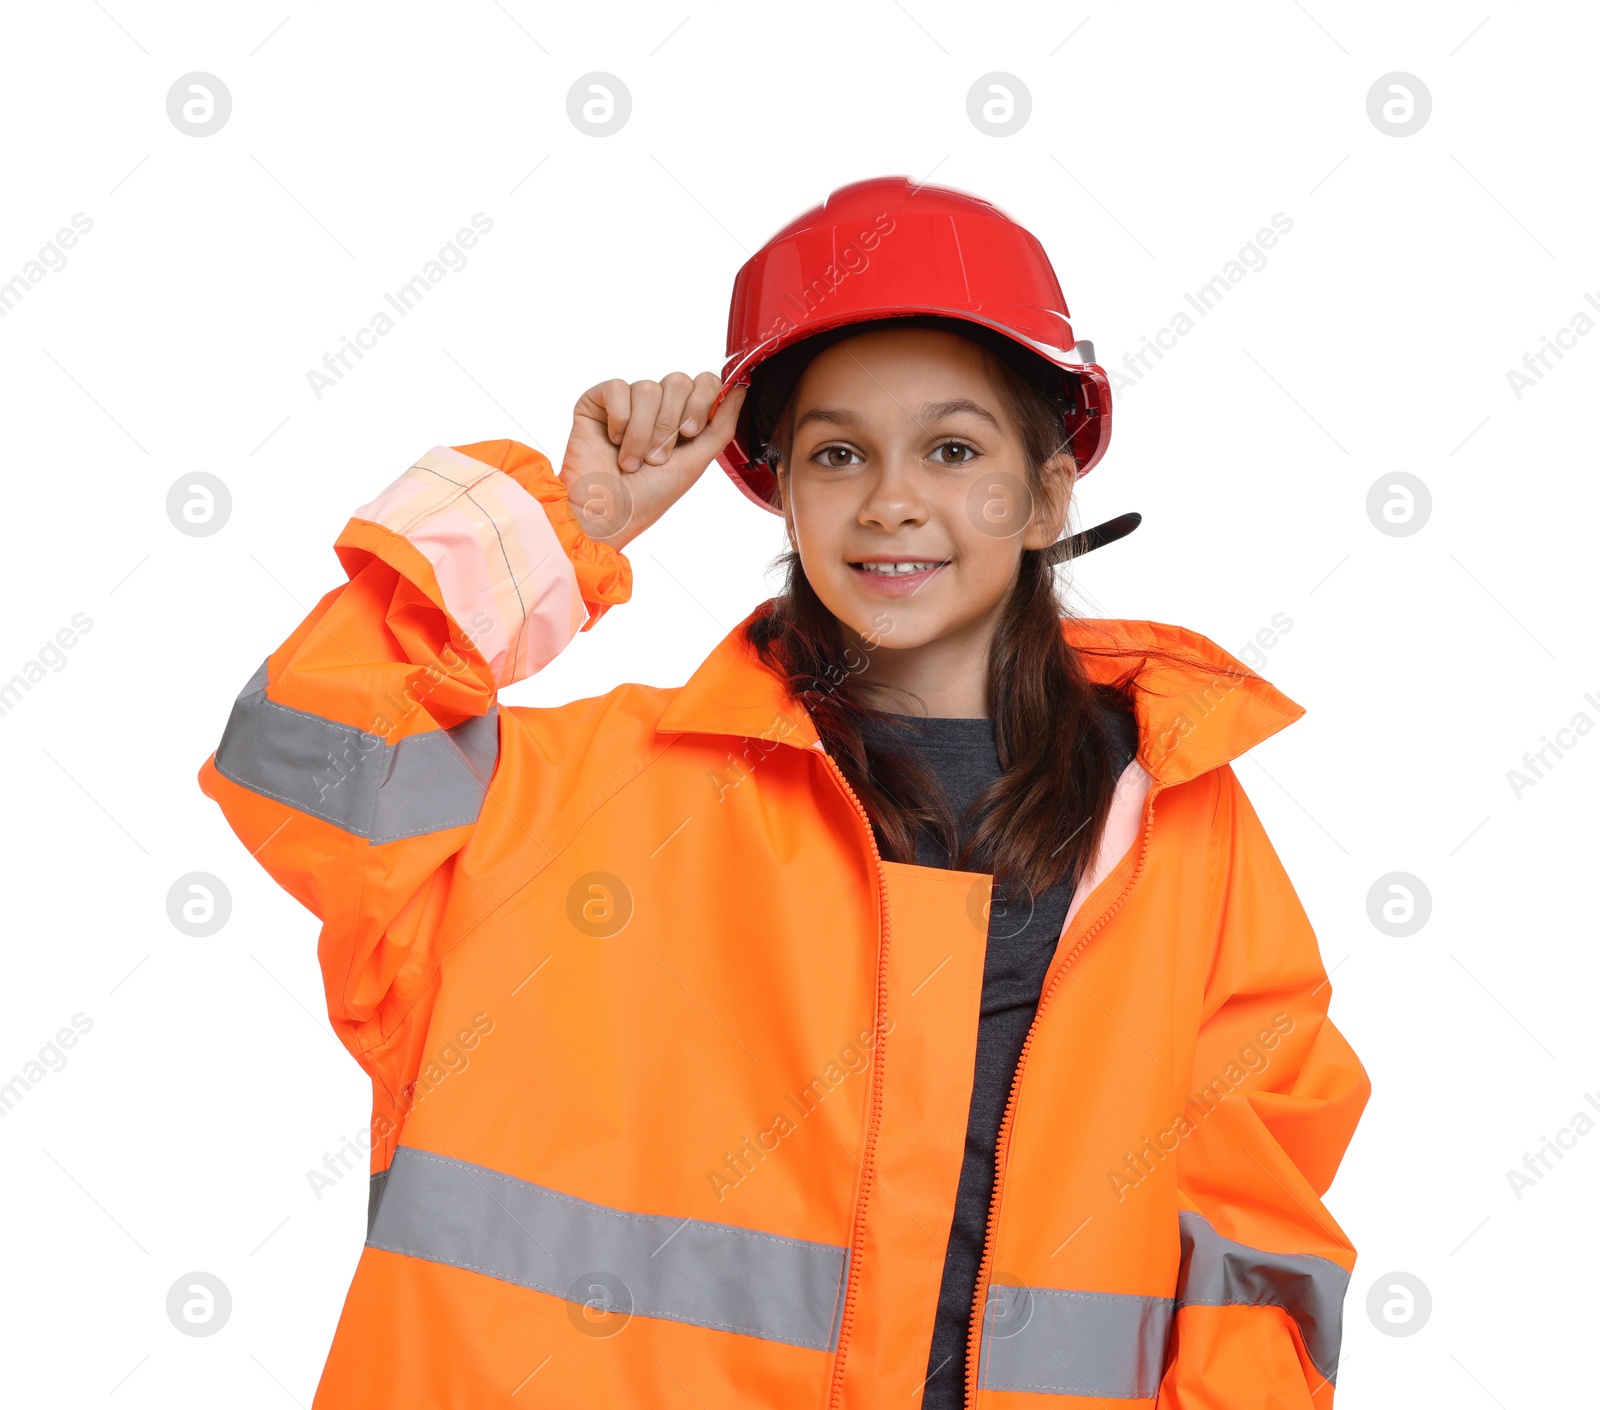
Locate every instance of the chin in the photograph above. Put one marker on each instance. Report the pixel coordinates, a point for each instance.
(895, 629)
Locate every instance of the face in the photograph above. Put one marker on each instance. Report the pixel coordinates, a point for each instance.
(906, 490)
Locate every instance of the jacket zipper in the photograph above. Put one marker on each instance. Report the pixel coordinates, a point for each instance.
(980, 1290)
(875, 1102)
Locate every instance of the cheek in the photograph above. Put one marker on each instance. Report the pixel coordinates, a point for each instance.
(820, 516)
(988, 564)
(802, 529)
(997, 505)
(816, 530)
(983, 523)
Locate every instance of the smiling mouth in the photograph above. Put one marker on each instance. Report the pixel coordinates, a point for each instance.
(899, 567)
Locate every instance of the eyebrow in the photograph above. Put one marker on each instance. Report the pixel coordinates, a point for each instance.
(933, 411)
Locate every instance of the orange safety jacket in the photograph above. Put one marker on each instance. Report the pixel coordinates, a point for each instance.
(671, 1069)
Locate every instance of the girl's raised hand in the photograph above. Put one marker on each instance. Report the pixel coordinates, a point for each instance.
(636, 448)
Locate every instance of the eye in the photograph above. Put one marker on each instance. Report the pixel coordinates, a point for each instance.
(963, 454)
(836, 457)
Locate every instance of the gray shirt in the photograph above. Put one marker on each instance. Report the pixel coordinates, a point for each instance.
(1021, 942)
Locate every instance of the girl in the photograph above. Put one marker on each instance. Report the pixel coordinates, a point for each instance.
(909, 1009)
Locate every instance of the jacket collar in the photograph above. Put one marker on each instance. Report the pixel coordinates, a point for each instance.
(1196, 712)
(732, 692)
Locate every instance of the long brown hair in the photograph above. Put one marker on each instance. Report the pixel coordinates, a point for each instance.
(1040, 823)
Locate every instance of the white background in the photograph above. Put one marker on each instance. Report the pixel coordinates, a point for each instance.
(1377, 339)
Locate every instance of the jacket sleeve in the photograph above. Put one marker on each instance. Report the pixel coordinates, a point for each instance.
(1275, 1096)
(356, 759)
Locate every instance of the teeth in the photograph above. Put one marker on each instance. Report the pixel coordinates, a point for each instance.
(894, 570)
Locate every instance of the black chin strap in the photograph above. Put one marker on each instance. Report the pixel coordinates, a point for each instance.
(1090, 539)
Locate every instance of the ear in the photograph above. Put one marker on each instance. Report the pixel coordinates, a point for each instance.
(785, 507)
(1049, 522)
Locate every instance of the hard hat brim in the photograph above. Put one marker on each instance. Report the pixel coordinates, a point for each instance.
(739, 459)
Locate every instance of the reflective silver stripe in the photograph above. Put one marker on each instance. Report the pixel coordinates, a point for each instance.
(1110, 1345)
(684, 1270)
(1114, 1346)
(1217, 1272)
(352, 779)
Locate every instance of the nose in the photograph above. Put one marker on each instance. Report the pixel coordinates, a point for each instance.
(894, 499)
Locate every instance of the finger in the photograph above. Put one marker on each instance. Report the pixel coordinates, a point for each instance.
(705, 447)
(675, 389)
(645, 400)
(698, 407)
(607, 402)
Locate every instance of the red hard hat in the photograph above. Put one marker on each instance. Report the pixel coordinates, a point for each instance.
(888, 248)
